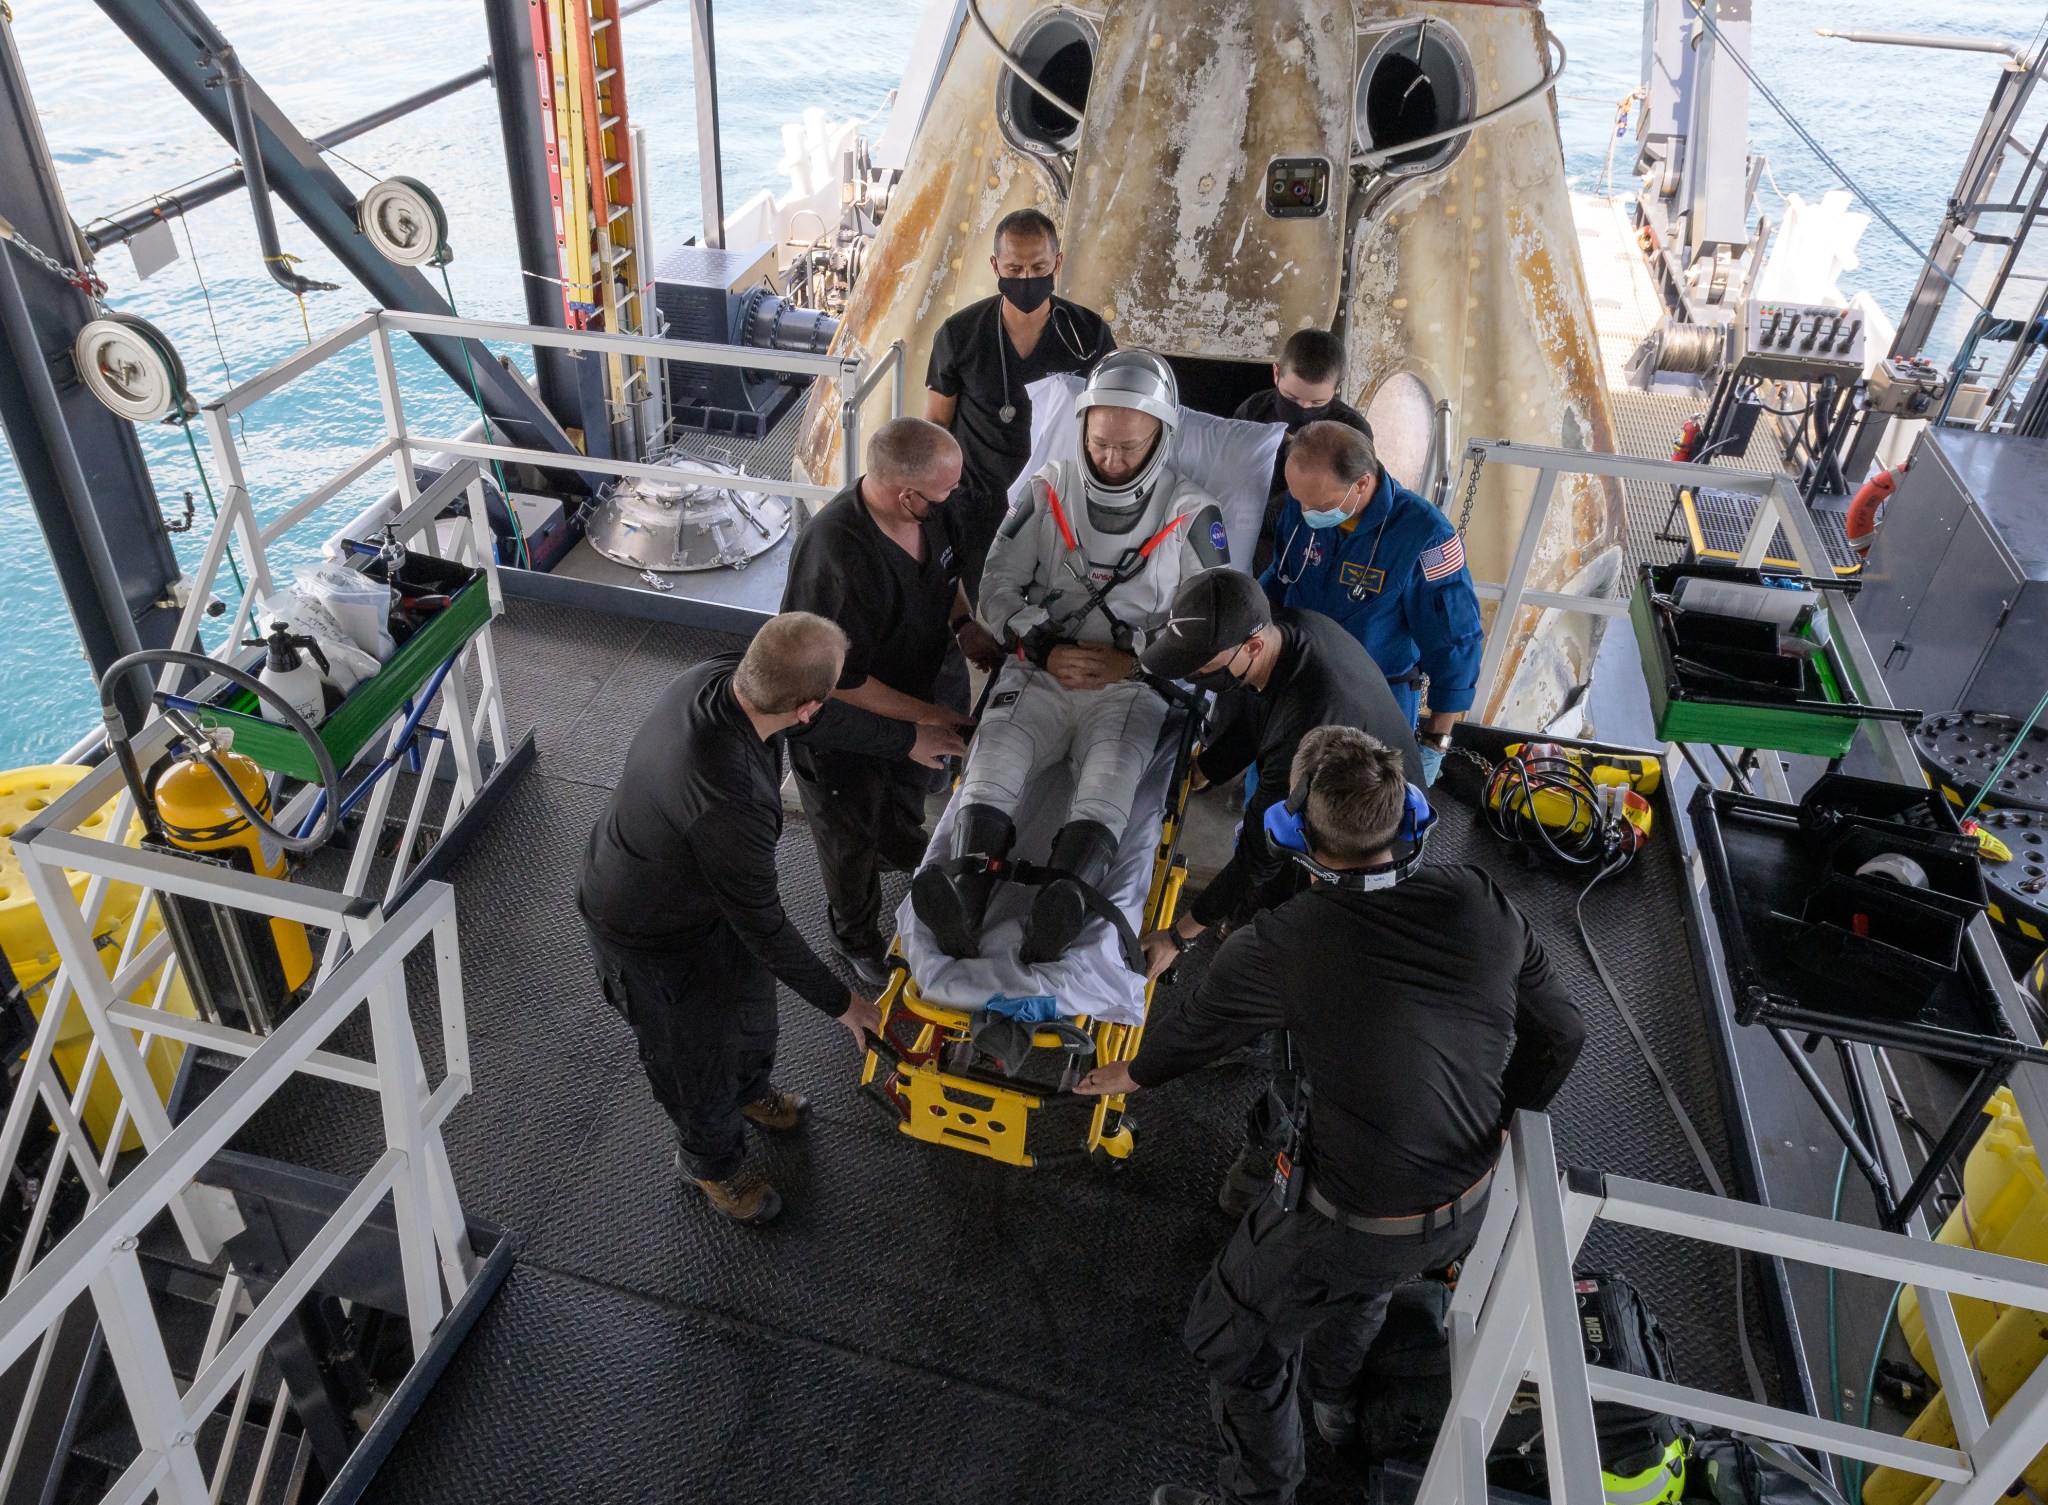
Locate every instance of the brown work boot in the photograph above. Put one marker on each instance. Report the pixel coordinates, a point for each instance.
(745, 1198)
(780, 1112)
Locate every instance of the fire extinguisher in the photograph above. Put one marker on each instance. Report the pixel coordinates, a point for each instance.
(1688, 441)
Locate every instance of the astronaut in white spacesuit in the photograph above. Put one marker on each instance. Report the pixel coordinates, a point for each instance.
(1083, 570)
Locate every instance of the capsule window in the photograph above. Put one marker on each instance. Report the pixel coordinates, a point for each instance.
(1415, 82)
(1057, 49)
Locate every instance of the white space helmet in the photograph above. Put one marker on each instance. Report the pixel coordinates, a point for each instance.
(1130, 379)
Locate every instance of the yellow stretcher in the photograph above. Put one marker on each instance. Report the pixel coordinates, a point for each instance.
(925, 1066)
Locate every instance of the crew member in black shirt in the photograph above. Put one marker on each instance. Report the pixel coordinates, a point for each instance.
(1277, 676)
(678, 891)
(984, 357)
(882, 559)
(1304, 391)
(1426, 1015)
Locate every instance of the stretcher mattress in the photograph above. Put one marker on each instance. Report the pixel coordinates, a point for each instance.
(1091, 978)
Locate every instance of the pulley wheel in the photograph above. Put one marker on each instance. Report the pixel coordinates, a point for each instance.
(131, 367)
(405, 222)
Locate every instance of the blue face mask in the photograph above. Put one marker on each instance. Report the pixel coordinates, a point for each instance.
(1319, 520)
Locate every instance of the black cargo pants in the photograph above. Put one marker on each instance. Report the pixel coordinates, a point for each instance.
(866, 814)
(705, 1023)
(1293, 1292)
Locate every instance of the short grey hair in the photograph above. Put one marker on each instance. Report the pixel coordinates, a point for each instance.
(908, 449)
(1336, 447)
(794, 659)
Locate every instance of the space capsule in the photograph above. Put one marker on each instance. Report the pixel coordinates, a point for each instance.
(1235, 170)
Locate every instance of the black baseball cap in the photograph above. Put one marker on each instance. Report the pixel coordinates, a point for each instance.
(1211, 612)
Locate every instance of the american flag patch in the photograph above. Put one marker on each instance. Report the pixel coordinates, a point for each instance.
(1447, 558)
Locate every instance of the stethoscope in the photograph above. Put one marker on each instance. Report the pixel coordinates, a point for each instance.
(1008, 411)
(1310, 556)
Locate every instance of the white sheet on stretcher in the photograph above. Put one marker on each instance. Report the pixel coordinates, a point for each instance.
(1091, 978)
(1233, 462)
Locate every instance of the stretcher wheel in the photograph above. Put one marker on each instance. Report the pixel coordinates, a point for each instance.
(1114, 1153)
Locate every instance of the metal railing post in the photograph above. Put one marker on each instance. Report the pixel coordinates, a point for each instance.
(897, 379)
(394, 414)
(1515, 585)
(135, 1344)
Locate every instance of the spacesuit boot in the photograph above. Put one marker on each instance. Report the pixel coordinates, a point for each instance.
(952, 906)
(1086, 849)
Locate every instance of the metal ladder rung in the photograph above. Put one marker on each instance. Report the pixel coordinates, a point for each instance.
(606, 73)
(600, 24)
(606, 122)
(617, 213)
(612, 167)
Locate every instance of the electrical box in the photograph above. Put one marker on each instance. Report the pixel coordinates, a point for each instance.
(1906, 386)
(1955, 590)
(1800, 341)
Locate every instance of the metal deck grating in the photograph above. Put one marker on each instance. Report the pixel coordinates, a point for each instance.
(922, 1324)
(1625, 309)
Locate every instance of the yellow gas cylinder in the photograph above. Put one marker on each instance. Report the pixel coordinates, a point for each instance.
(2006, 1355)
(197, 814)
(2004, 1210)
(25, 938)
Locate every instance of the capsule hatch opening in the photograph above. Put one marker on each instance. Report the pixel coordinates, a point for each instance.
(1415, 80)
(1057, 48)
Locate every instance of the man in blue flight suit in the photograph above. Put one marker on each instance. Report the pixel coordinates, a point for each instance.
(1353, 543)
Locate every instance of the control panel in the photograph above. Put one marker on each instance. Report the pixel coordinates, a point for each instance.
(1801, 341)
(1298, 187)
(1908, 386)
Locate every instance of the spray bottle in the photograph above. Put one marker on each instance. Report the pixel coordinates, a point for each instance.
(286, 671)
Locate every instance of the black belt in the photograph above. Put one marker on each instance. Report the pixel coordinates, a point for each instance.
(1414, 679)
(1412, 1225)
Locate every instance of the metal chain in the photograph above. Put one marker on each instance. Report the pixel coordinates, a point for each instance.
(1478, 459)
(86, 280)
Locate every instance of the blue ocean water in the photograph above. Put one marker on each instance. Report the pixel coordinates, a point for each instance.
(1898, 121)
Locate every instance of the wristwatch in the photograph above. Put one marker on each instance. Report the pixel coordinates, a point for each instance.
(960, 621)
(1441, 741)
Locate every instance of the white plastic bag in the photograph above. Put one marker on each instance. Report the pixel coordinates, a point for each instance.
(360, 604)
(347, 665)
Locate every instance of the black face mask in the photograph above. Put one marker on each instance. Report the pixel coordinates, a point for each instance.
(1293, 414)
(1025, 294)
(1217, 681)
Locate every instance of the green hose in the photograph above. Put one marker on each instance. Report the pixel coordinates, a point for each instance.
(229, 547)
(1834, 1346)
(2010, 753)
(504, 490)
(1869, 1382)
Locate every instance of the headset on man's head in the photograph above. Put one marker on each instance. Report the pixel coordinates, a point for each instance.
(1288, 828)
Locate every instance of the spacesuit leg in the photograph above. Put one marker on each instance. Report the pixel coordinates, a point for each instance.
(1115, 733)
(1027, 723)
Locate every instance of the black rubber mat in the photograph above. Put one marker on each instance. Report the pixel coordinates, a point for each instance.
(921, 1324)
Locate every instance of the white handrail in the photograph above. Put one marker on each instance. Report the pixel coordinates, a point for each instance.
(1514, 1318)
